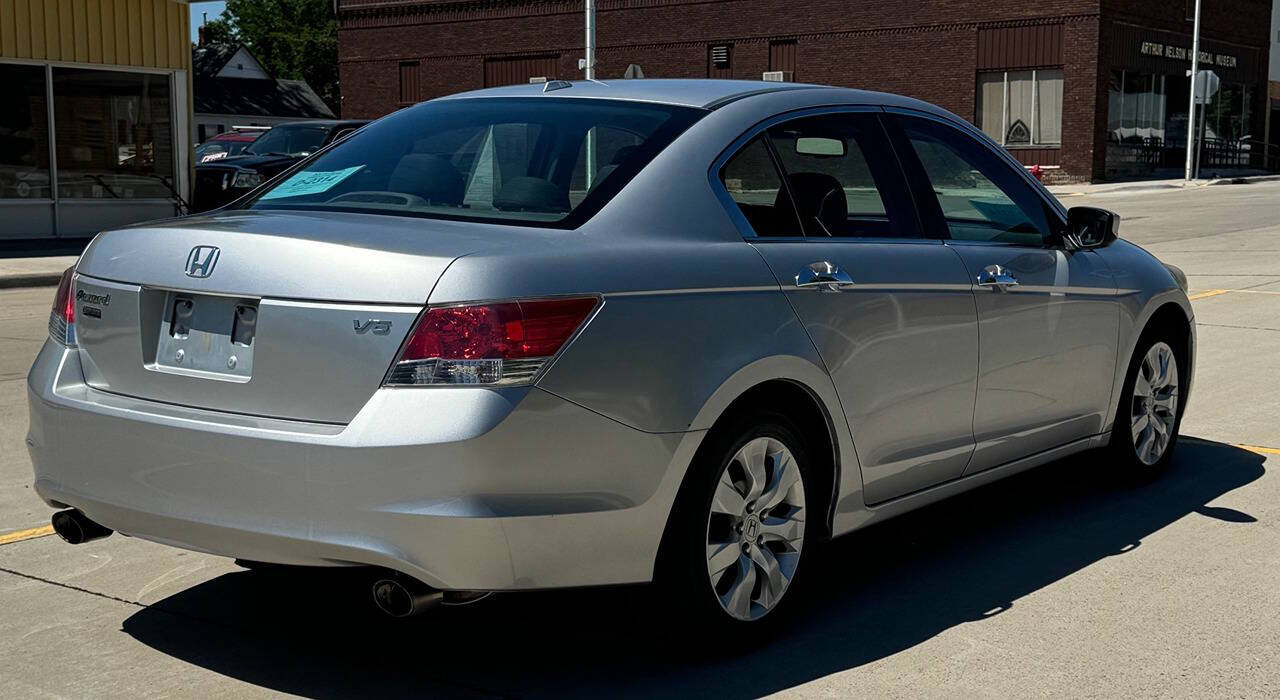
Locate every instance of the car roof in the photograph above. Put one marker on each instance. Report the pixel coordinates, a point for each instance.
(237, 136)
(701, 93)
(329, 123)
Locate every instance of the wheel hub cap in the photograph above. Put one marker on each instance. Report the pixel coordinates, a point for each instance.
(755, 530)
(1155, 403)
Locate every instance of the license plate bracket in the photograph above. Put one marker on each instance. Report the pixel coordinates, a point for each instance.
(207, 336)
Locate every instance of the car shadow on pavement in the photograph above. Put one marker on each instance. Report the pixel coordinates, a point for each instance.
(873, 594)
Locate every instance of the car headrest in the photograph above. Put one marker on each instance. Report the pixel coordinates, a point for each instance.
(620, 155)
(820, 198)
(534, 194)
(428, 176)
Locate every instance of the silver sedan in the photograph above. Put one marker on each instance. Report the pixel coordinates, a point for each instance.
(583, 333)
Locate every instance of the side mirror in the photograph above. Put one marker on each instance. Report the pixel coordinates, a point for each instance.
(1090, 227)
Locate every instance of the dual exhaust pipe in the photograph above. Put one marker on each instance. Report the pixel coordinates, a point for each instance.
(75, 527)
(396, 595)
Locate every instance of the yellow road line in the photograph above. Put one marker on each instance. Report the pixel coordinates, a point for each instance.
(21, 535)
(1206, 295)
(1260, 450)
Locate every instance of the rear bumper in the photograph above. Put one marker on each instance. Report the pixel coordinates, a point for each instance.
(464, 489)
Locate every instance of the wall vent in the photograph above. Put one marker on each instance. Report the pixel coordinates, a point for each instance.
(720, 56)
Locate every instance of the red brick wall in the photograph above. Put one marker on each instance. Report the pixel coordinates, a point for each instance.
(921, 48)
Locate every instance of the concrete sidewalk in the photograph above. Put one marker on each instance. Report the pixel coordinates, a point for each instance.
(1098, 188)
(33, 272)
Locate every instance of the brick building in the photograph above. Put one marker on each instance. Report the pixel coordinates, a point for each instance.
(1089, 89)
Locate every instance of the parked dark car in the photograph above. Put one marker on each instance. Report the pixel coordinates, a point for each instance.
(223, 181)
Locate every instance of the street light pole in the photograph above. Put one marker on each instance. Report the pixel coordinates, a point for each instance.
(589, 68)
(590, 61)
(1195, 69)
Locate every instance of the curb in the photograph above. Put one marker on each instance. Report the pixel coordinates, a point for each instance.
(34, 279)
(1242, 180)
(1067, 191)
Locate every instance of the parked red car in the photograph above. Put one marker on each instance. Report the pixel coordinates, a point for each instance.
(231, 143)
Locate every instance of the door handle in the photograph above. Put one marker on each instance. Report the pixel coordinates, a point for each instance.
(997, 276)
(823, 275)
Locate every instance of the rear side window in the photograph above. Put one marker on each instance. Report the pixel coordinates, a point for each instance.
(753, 181)
(532, 161)
(978, 195)
(844, 177)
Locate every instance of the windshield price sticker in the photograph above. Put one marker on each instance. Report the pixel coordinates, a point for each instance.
(305, 183)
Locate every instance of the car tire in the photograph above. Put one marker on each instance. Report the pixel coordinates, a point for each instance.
(735, 549)
(1149, 415)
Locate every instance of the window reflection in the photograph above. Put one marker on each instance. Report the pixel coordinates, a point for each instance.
(1147, 123)
(24, 134)
(113, 133)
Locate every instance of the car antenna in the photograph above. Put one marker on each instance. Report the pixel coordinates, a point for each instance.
(556, 85)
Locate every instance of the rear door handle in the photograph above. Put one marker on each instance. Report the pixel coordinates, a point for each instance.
(823, 275)
(998, 277)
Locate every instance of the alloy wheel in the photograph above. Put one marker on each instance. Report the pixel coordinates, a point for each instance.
(755, 530)
(1155, 403)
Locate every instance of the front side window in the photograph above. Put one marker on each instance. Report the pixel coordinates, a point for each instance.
(545, 161)
(1021, 108)
(980, 197)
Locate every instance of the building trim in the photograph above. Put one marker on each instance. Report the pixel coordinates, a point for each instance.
(742, 39)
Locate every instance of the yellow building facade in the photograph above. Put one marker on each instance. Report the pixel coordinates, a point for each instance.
(95, 114)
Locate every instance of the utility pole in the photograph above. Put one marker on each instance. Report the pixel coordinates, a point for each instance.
(590, 62)
(589, 68)
(1191, 113)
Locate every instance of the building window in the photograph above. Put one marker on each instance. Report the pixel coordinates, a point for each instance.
(1021, 108)
(114, 134)
(410, 92)
(24, 134)
(1138, 109)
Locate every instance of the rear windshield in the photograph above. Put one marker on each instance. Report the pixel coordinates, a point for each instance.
(290, 141)
(534, 161)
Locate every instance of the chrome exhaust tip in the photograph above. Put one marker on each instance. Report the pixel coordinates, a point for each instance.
(404, 597)
(75, 527)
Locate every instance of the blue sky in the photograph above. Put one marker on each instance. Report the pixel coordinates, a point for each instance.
(199, 9)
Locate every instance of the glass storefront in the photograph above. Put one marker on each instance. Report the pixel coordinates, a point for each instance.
(104, 153)
(114, 134)
(1147, 123)
(24, 134)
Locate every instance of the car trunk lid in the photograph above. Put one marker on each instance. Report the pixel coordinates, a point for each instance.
(286, 315)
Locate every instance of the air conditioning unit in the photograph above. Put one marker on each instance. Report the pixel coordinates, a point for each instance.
(778, 76)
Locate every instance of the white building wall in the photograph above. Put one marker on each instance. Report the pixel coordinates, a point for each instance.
(243, 65)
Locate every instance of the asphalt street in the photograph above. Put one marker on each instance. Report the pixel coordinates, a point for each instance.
(1052, 583)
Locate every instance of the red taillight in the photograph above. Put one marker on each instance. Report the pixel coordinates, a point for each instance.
(499, 343)
(64, 301)
(62, 318)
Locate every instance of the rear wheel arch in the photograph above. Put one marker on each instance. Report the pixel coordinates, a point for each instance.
(814, 422)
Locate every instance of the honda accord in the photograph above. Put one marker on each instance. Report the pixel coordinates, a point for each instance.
(575, 334)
